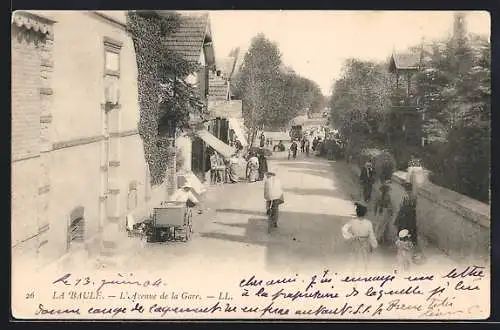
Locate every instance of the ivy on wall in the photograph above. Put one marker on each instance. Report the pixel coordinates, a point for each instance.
(165, 98)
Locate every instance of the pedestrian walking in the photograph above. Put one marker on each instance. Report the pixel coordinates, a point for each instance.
(384, 211)
(262, 140)
(233, 169)
(214, 164)
(253, 168)
(358, 232)
(303, 145)
(307, 147)
(293, 150)
(367, 178)
(405, 248)
(262, 165)
(274, 197)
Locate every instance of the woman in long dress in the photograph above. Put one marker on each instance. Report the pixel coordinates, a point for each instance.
(384, 210)
(253, 168)
(262, 165)
(233, 169)
(407, 215)
(359, 233)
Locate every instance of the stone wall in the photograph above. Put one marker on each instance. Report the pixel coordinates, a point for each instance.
(456, 224)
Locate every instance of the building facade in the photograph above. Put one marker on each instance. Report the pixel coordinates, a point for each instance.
(78, 163)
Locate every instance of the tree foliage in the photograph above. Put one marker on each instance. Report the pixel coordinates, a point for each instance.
(165, 99)
(271, 95)
(361, 98)
(454, 92)
(455, 89)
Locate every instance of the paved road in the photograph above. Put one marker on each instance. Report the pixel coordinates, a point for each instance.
(233, 230)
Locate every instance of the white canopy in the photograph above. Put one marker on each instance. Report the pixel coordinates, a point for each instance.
(219, 146)
(235, 125)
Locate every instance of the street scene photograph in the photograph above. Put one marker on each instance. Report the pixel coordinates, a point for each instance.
(251, 142)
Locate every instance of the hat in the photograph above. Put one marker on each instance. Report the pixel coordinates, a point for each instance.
(186, 185)
(270, 173)
(404, 233)
(361, 209)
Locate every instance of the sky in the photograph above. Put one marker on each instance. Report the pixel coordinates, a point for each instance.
(316, 43)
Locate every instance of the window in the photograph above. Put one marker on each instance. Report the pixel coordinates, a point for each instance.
(112, 62)
(132, 196)
(112, 57)
(112, 71)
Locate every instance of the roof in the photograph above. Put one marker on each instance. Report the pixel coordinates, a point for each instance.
(217, 88)
(189, 38)
(33, 22)
(225, 109)
(405, 61)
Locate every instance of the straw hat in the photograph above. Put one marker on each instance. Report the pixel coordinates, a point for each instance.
(404, 233)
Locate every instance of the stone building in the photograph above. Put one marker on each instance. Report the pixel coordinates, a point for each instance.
(78, 163)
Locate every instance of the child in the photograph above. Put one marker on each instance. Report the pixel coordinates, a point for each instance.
(405, 249)
(359, 232)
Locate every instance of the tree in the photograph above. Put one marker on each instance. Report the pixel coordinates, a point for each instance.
(271, 95)
(361, 99)
(255, 84)
(455, 93)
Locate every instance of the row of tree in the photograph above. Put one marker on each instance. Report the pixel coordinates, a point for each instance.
(271, 94)
(453, 88)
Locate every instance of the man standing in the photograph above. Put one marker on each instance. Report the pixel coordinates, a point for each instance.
(367, 178)
(274, 197)
(293, 149)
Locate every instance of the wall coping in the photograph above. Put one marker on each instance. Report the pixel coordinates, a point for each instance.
(469, 208)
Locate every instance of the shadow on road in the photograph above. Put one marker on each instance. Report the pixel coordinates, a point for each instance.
(312, 192)
(303, 164)
(301, 239)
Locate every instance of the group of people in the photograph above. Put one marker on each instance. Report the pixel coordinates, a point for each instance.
(256, 166)
(366, 238)
(223, 170)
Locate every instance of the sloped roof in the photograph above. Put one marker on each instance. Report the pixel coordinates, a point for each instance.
(217, 88)
(190, 36)
(405, 61)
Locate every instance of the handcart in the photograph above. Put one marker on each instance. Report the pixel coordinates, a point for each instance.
(171, 222)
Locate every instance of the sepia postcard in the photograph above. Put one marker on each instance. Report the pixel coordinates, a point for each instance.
(286, 165)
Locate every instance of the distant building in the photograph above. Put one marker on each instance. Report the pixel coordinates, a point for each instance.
(406, 120)
(227, 123)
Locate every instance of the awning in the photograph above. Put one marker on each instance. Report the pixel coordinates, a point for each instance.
(235, 125)
(219, 146)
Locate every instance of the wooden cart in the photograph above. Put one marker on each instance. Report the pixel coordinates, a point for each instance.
(172, 222)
